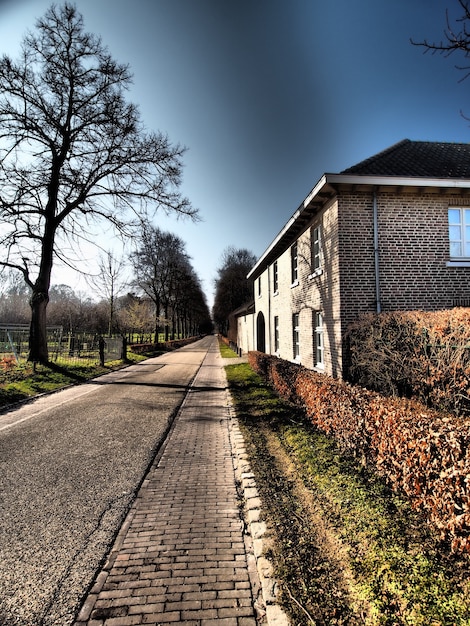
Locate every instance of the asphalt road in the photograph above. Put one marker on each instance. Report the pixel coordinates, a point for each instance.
(70, 466)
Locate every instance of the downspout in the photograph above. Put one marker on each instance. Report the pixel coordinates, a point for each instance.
(269, 311)
(376, 252)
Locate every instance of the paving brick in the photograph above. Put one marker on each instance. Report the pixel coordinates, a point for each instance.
(157, 607)
(181, 557)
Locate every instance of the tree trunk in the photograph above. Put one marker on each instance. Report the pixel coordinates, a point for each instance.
(38, 351)
(167, 327)
(157, 318)
(111, 314)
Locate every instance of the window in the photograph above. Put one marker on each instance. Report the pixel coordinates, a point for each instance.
(259, 286)
(275, 278)
(315, 244)
(276, 334)
(318, 339)
(459, 233)
(296, 335)
(294, 259)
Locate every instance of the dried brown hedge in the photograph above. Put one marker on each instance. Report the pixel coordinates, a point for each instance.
(421, 452)
(425, 355)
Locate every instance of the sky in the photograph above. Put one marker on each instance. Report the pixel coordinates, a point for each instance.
(267, 96)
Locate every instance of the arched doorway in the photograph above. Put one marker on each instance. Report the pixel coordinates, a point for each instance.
(260, 333)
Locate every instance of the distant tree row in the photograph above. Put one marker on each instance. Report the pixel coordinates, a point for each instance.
(232, 288)
(164, 274)
(163, 296)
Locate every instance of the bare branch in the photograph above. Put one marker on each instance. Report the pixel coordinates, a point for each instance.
(456, 38)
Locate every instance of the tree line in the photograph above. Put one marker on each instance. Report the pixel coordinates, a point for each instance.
(162, 298)
(74, 156)
(232, 289)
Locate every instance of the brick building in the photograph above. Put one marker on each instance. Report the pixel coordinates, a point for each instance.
(390, 233)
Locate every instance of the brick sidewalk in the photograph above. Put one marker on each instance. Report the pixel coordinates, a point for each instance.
(181, 555)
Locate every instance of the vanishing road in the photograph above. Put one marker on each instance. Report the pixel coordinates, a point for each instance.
(70, 465)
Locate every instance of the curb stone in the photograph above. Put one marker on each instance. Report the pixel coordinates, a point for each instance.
(256, 533)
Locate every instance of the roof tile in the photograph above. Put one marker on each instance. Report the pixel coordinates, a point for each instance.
(418, 159)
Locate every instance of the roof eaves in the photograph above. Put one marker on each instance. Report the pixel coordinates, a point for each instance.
(397, 181)
(244, 309)
(315, 191)
(353, 179)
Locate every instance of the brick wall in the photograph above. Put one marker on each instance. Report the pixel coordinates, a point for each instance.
(356, 256)
(311, 293)
(413, 253)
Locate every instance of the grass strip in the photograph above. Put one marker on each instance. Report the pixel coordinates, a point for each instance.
(24, 381)
(346, 549)
(226, 352)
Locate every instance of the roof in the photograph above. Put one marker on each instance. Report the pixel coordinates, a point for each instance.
(422, 159)
(245, 309)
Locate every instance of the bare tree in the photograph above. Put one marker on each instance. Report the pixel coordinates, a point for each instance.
(456, 38)
(109, 283)
(73, 152)
(189, 310)
(163, 272)
(155, 266)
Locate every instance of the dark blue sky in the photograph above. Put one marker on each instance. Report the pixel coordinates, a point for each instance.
(267, 95)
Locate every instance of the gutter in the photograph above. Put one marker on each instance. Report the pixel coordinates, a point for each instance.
(396, 181)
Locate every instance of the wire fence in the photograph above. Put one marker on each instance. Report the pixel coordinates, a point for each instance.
(76, 347)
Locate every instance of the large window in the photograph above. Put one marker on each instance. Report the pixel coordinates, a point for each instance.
(296, 336)
(319, 339)
(294, 260)
(276, 334)
(315, 249)
(459, 233)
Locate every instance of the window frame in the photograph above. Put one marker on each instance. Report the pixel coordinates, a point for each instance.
(316, 252)
(275, 278)
(294, 261)
(462, 241)
(318, 340)
(296, 336)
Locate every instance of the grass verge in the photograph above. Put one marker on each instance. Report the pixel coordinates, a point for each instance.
(226, 352)
(346, 550)
(24, 382)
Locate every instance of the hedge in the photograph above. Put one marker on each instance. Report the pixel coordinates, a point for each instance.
(418, 354)
(163, 346)
(422, 453)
